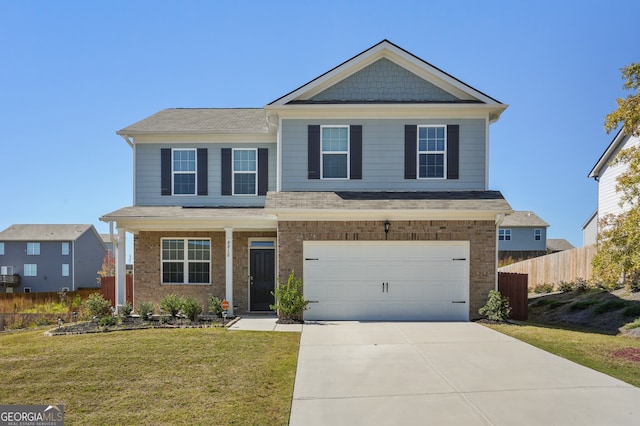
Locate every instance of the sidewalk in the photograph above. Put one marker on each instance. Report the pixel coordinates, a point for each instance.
(264, 324)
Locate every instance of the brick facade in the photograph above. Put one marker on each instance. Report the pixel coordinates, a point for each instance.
(148, 285)
(480, 234)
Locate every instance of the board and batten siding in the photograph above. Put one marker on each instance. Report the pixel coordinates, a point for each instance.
(608, 198)
(383, 157)
(147, 179)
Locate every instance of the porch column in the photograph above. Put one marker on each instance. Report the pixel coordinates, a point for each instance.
(121, 268)
(228, 267)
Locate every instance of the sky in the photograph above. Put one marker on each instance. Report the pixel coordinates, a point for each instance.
(72, 73)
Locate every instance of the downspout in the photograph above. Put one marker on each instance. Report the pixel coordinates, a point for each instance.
(73, 265)
(499, 219)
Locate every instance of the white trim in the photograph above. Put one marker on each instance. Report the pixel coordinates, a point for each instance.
(30, 265)
(243, 172)
(194, 172)
(34, 248)
(275, 256)
(279, 156)
(427, 152)
(185, 261)
(68, 248)
(229, 268)
(347, 152)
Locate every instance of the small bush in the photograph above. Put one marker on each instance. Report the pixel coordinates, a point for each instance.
(126, 309)
(145, 309)
(172, 304)
(632, 311)
(609, 306)
(497, 307)
(565, 286)
(97, 306)
(215, 306)
(582, 285)
(290, 302)
(543, 288)
(192, 308)
(107, 321)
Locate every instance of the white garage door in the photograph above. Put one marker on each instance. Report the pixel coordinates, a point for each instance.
(387, 280)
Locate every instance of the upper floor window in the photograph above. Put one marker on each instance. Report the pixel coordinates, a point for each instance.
(504, 234)
(30, 270)
(186, 261)
(1, 248)
(65, 248)
(334, 150)
(245, 172)
(537, 234)
(184, 171)
(33, 248)
(432, 144)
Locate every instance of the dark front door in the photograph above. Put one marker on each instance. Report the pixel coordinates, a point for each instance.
(262, 279)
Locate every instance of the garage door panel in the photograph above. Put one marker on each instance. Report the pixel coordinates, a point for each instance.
(421, 280)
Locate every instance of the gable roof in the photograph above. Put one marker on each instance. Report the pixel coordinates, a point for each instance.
(523, 219)
(608, 154)
(462, 92)
(558, 244)
(202, 121)
(45, 232)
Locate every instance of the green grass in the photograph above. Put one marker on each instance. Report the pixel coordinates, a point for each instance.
(158, 376)
(590, 349)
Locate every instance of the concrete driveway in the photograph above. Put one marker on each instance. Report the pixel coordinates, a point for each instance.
(352, 373)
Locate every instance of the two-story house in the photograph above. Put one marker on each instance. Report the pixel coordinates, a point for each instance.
(522, 235)
(606, 175)
(48, 258)
(370, 182)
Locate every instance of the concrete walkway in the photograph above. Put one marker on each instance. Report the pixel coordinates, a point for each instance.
(263, 323)
(352, 373)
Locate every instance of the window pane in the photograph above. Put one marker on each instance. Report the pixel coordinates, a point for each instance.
(431, 165)
(184, 160)
(65, 248)
(244, 160)
(334, 166)
(431, 139)
(30, 270)
(33, 248)
(199, 250)
(184, 183)
(334, 139)
(199, 273)
(172, 272)
(65, 269)
(172, 249)
(244, 183)
(1, 248)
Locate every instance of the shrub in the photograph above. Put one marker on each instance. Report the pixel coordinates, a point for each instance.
(97, 306)
(145, 308)
(290, 302)
(126, 309)
(582, 285)
(215, 306)
(543, 288)
(192, 308)
(497, 307)
(107, 321)
(565, 286)
(172, 304)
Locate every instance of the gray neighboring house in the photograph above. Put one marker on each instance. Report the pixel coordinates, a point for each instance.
(554, 245)
(522, 235)
(48, 258)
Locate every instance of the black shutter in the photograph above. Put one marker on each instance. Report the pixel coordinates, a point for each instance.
(263, 171)
(313, 152)
(165, 171)
(453, 151)
(355, 140)
(203, 181)
(225, 167)
(410, 151)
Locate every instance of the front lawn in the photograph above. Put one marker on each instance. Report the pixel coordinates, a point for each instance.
(612, 355)
(158, 376)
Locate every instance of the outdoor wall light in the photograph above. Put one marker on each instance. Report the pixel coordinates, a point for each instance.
(387, 225)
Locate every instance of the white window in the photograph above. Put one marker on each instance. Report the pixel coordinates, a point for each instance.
(6, 270)
(33, 248)
(504, 234)
(1, 248)
(184, 171)
(30, 270)
(245, 172)
(537, 234)
(65, 249)
(432, 142)
(186, 261)
(334, 150)
(65, 269)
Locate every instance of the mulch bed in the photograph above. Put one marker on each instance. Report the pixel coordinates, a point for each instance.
(629, 354)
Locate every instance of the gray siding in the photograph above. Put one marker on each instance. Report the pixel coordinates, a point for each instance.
(88, 258)
(522, 239)
(383, 157)
(147, 179)
(384, 81)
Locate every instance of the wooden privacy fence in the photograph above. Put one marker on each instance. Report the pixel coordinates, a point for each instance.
(47, 297)
(108, 286)
(515, 288)
(564, 266)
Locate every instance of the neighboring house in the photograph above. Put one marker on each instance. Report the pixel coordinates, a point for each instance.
(47, 258)
(522, 235)
(555, 245)
(370, 182)
(606, 175)
(108, 244)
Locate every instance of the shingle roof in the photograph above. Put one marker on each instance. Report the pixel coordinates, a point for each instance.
(179, 212)
(43, 232)
(524, 219)
(202, 121)
(558, 244)
(440, 200)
